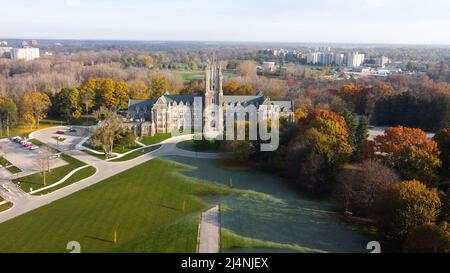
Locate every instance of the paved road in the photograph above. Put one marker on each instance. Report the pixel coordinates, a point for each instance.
(104, 168)
(209, 235)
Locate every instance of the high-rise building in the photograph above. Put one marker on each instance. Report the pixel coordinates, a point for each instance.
(354, 59)
(312, 58)
(25, 53)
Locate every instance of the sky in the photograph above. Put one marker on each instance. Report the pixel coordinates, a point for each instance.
(325, 21)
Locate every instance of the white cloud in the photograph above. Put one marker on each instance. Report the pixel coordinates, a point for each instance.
(72, 3)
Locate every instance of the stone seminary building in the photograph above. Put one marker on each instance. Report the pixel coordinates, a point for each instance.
(179, 112)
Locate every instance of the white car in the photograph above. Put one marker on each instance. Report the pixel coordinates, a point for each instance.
(34, 147)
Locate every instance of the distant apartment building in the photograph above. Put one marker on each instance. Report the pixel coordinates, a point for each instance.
(268, 67)
(312, 58)
(25, 53)
(5, 50)
(355, 59)
(382, 61)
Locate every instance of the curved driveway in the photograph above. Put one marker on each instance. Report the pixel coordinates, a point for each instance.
(105, 169)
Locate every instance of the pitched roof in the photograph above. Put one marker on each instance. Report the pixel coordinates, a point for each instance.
(245, 100)
(133, 105)
(179, 98)
(284, 105)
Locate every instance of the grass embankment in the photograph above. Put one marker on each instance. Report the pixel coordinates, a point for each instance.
(230, 240)
(137, 153)
(155, 139)
(8, 166)
(5, 206)
(36, 181)
(144, 205)
(200, 146)
(116, 149)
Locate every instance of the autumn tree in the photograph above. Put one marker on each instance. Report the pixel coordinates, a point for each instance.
(231, 88)
(247, 69)
(108, 93)
(408, 151)
(160, 85)
(428, 238)
(35, 104)
(139, 90)
(399, 208)
(323, 146)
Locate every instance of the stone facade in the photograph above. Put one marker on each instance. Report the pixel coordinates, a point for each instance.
(176, 112)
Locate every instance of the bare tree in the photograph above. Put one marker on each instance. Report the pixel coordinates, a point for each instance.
(43, 162)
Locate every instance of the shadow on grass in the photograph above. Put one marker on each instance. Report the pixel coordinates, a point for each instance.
(99, 239)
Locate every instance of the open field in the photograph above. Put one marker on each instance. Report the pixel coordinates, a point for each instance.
(144, 205)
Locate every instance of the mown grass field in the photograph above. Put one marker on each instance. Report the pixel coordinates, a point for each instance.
(150, 140)
(144, 205)
(5, 206)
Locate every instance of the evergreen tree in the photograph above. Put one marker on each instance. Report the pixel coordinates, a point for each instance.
(362, 132)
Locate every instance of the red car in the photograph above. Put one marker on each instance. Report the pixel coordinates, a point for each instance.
(27, 145)
(60, 132)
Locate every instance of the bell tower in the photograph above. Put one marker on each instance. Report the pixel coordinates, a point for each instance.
(213, 97)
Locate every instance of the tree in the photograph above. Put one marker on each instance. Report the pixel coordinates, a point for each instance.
(428, 238)
(67, 103)
(408, 151)
(36, 104)
(350, 122)
(442, 139)
(399, 208)
(87, 97)
(357, 185)
(247, 69)
(419, 164)
(160, 85)
(362, 132)
(231, 88)
(106, 131)
(8, 114)
(139, 90)
(108, 93)
(43, 162)
(236, 150)
(326, 132)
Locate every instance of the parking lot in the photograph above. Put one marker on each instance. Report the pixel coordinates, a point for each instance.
(23, 158)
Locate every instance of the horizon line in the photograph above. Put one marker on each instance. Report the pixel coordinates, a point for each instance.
(229, 41)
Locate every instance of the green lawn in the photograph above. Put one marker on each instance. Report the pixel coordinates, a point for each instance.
(137, 153)
(190, 76)
(201, 146)
(155, 139)
(143, 205)
(5, 206)
(36, 181)
(116, 149)
(78, 176)
(11, 168)
(24, 130)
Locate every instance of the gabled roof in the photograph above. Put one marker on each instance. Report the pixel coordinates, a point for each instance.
(134, 105)
(179, 98)
(284, 105)
(245, 100)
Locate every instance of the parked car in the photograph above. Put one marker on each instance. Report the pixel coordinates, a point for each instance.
(27, 145)
(16, 138)
(60, 132)
(34, 147)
